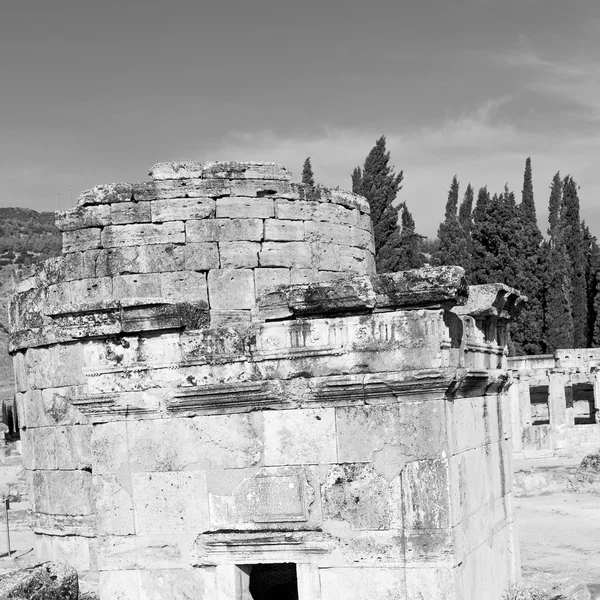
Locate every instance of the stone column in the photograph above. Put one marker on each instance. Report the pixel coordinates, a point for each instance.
(558, 411)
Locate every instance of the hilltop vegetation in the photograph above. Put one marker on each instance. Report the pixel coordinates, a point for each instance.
(27, 236)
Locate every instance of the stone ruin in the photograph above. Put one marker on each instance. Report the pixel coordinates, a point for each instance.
(220, 399)
(555, 402)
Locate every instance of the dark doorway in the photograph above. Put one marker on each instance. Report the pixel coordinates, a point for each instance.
(540, 409)
(274, 582)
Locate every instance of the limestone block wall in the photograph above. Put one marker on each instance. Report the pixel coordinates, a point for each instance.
(555, 402)
(353, 428)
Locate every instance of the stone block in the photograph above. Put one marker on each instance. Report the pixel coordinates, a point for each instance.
(106, 194)
(201, 256)
(231, 289)
(110, 452)
(335, 233)
(229, 318)
(83, 291)
(356, 260)
(185, 169)
(349, 200)
(300, 436)
(170, 502)
(284, 230)
(334, 213)
(114, 506)
(82, 217)
(265, 279)
(141, 552)
(44, 367)
(326, 257)
(182, 209)
(124, 213)
(366, 584)
(208, 442)
(167, 189)
(299, 276)
(245, 208)
(185, 584)
(63, 492)
(119, 585)
(239, 255)
(245, 170)
(426, 494)
(72, 550)
(428, 582)
(296, 210)
(47, 408)
(184, 286)
(115, 236)
(81, 239)
(60, 447)
(262, 188)
(224, 230)
(286, 254)
(141, 285)
(359, 496)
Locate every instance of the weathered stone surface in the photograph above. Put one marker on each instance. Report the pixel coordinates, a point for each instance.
(63, 492)
(48, 581)
(167, 502)
(244, 208)
(364, 584)
(176, 170)
(201, 256)
(336, 233)
(492, 299)
(115, 236)
(182, 209)
(106, 194)
(231, 289)
(81, 239)
(245, 170)
(285, 254)
(265, 279)
(224, 230)
(130, 212)
(82, 217)
(239, 255)
(284, 231)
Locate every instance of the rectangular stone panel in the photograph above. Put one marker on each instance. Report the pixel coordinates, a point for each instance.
(231, 289)
(284, 230)
(297, 210)
(142, 285)
(182, 209)
(245, 208)
(63, 492)
(82, 217)
(201, 256)
(130, 212)
(184, 286)
(354, 583)
(143, 234)
(224, 230)
(300, 436)
(285, 254)
(170, 502)
(238, 255)
(81, 239)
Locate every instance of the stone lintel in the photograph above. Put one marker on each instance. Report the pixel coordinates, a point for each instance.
(428, 287)
(492, 299)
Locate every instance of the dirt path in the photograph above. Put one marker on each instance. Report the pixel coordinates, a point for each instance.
(560, 533)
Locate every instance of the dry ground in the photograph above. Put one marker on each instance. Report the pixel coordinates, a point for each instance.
(560, 534)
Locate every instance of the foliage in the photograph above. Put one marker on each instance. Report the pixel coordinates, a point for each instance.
(27, 236)
(525, 592)
(307, 173)
(396, 244)
(453, 245)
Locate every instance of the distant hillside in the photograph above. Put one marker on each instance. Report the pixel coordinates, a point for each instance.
(27, 236)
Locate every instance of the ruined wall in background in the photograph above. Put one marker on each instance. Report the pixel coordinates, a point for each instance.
(555, 403)
(183, 425)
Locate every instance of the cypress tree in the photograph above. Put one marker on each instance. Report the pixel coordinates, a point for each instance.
(378, 183)
(592, 268)
(573, 241)
(465, 210)
(453, 249)
(356, 179)
(554, 204)
(307, 173)
(527, 329)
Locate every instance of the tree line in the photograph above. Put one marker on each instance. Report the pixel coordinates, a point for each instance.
(496, 238)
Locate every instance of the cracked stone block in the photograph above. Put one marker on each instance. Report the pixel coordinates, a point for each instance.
(239, 255)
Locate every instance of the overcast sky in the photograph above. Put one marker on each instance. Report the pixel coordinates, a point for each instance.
(94, 92)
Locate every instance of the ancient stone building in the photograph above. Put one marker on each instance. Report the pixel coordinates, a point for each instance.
(555, 403)
(190, 433)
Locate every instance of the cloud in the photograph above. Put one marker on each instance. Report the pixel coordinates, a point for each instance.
(482, 147)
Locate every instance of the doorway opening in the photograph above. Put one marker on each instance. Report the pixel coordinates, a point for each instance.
(277, 581)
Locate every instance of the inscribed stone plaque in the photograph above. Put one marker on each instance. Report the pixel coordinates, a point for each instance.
(272, 499)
